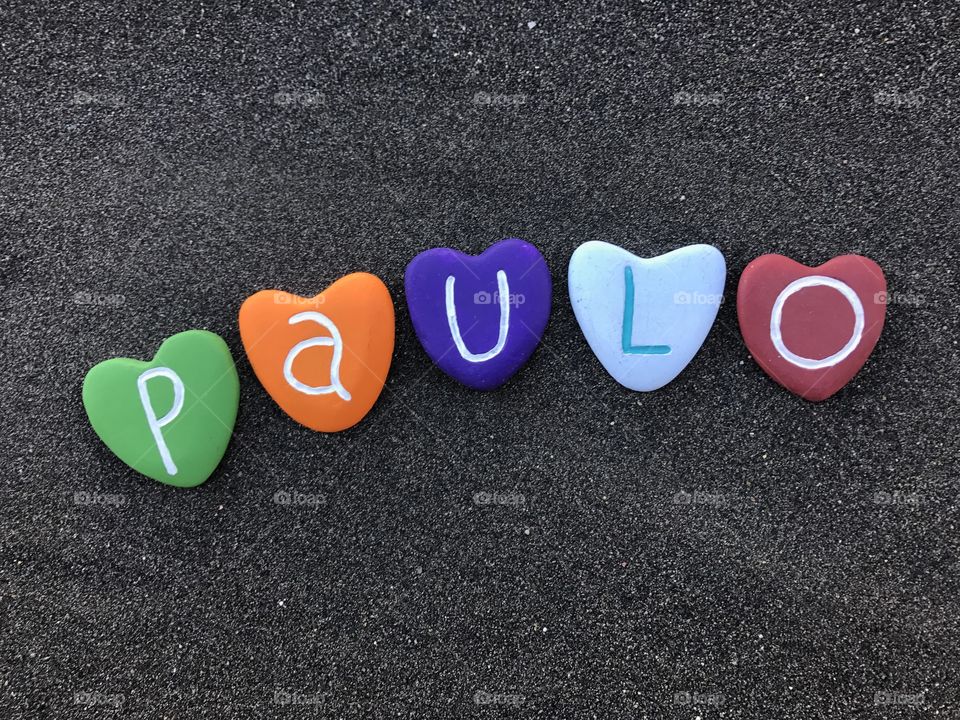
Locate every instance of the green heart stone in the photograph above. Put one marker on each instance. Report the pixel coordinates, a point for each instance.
(171, 418)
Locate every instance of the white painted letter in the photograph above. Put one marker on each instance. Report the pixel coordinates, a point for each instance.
(334, 340)
(503, 295)
(152, 421)
(777, 316)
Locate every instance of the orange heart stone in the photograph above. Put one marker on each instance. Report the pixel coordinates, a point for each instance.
(324, 360)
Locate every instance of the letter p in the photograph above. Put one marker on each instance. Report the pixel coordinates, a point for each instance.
(157, 424)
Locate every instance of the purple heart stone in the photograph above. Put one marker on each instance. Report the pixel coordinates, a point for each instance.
(479, 317)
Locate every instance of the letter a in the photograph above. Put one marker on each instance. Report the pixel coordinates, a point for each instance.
(320, 340)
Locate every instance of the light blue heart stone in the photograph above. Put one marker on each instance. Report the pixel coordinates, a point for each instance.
(645, 318)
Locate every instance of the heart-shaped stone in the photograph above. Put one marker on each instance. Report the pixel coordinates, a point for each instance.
(171, 418)
(811, 328)
(645, 318)
(479, 318)
(325, 359)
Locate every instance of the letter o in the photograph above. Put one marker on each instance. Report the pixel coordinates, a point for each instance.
(776, 318)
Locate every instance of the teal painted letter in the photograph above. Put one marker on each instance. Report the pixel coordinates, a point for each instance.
(628, 347)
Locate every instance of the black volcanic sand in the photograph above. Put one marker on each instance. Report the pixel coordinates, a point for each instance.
(160, 165)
